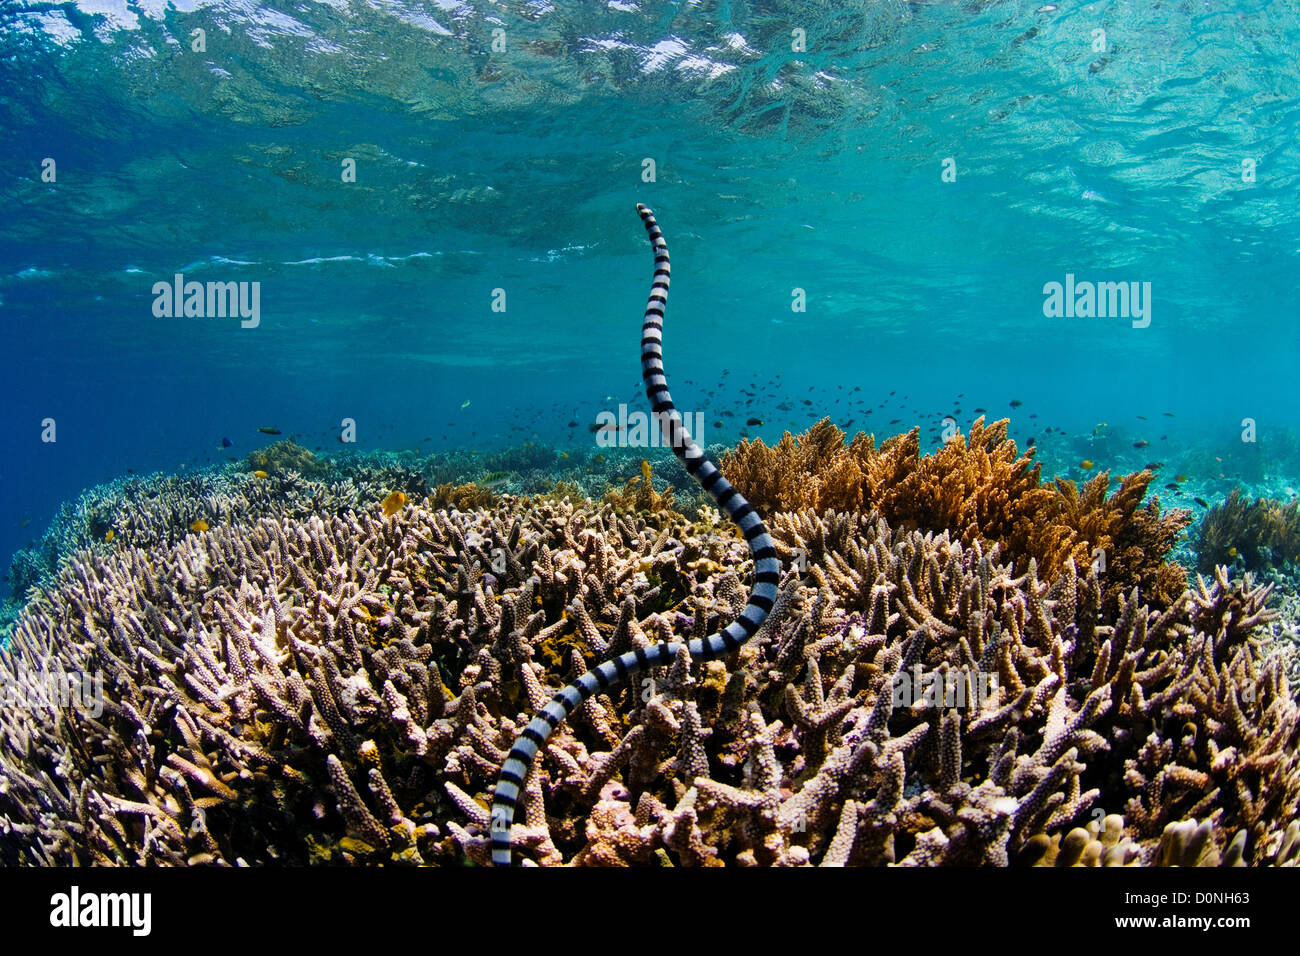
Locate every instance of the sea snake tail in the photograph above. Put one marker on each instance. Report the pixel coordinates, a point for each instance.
(767, 568)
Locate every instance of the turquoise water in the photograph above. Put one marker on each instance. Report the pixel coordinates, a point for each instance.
(517, 169)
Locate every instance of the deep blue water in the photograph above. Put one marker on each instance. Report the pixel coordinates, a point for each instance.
(517, 169)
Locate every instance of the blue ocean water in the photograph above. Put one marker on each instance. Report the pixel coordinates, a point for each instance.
(864, 196)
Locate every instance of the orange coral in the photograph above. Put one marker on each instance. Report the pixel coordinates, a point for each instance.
(462, 497)
(639, 494)
(978, 487)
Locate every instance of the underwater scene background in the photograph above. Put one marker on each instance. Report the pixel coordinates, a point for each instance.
(312, 559)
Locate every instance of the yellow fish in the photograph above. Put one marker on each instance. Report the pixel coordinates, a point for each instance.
(109, 536)
(259, 474)
(564, 454)
(645, 471)
(1180, 477)
(393, 503)
(199, 525)
(1232, 552)
(1086, 464)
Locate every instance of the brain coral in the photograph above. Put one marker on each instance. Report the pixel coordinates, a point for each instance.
(343, 689)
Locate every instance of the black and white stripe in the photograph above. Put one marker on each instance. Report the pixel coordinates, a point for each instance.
(767, 569)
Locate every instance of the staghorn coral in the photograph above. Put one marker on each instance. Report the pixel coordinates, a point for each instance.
(1264, 533)
(238, 662)
(976, 487)
(160, 509)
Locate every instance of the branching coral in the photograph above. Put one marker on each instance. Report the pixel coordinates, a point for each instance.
(147, 512)
(1264, 533)
(978, 488)
(345, 689)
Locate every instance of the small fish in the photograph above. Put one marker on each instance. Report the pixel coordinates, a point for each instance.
(1030, 441)
(895, 421)
(393, 503)
(268, 430)
(1180, 477)
(1202, 502)
(717, 424)
(1141, 444)
(198, 524)
(465, 404)
(600, 458)
(754, 421)
(1143, 417)
(1171, 486)
(980, 411)
(1086, 464)
(259, 474)
(1169, 414)
(564, 454)
(109, 536)
(1232, 552)
(1099, 429)
(226, 443)
(573, 424)
(1016, 403)
(1154, 465)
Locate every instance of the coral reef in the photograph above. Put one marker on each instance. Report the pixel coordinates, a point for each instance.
(286, 456)
(979, 488)
(160, 509)
(1260, 534)
(344, 688)
(464, 497)
(639, 495)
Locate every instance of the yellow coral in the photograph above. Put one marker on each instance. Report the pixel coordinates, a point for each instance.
(462, 497)
(639, 494)
(977, 487)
